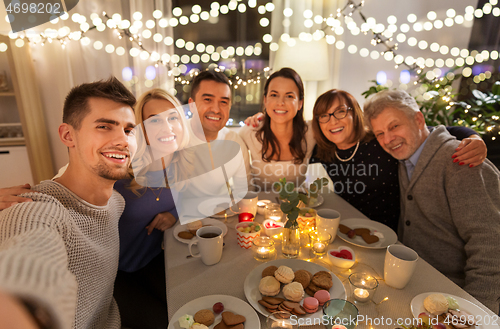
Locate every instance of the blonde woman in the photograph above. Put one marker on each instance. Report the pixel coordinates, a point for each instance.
(149, 209)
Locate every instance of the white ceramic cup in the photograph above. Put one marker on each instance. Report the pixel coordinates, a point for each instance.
(210, 242)
(400, 263)
(248, 203)
(328, 220)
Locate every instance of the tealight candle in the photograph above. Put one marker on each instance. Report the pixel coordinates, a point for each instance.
(319, 242)
(263, 248)
(273, 211)
(261, 206)
(361, 295)
(363, 287)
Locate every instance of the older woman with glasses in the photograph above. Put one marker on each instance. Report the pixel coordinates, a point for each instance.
(362, 172)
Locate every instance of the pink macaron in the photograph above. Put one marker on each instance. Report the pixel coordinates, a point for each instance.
(310, 304)
(322, 296)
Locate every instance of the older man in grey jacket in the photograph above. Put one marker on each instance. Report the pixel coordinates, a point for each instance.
(450, 215)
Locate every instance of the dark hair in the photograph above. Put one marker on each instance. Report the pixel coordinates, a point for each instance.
(326, 149)
(76, 103)
(210, 75)
(266, 136)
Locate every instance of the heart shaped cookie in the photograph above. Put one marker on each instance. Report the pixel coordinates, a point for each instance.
(232, 319)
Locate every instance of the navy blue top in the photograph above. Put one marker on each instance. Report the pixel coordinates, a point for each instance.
(137, 248)
(369, 181)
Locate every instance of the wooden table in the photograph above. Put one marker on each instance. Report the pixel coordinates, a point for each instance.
(188, 279)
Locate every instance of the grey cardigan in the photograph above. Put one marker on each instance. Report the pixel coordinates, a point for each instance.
(450, 215)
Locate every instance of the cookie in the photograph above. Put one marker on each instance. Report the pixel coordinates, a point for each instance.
(323, 280)
(269, 271)
(309, 291)
(369, 238)
(232, 319)
(282, 315)
(222, 325)
(185, 235)
(344, 229)
(303, 277)
(361, 231)
(267, 305)
(205, 317)
(299, 311)
(312, 289)
(273, 300)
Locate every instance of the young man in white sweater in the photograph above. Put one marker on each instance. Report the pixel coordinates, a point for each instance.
(59, 253)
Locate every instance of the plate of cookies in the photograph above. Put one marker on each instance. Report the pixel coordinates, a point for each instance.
(366, 233)
(215, 312)
(292, 285)
(185, 233)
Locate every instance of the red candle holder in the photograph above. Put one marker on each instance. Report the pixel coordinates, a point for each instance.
(245, 217)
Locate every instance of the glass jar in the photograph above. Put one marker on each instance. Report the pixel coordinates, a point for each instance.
(273, 212)
(290, 243)
(263, 248)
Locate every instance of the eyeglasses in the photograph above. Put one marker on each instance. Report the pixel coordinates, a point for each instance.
(339, 113)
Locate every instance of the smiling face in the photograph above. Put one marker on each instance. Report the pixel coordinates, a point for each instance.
(104, 143)
(213, 103)
(163, 126)
(399, 135)
(282, 100)
(339, 131)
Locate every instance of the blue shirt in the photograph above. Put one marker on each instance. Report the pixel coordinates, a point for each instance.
(137, 248)
(411, 162)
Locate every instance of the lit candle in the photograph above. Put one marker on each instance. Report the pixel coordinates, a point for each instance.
(361, 295)
(263, 248)
(319, 247)
(275, 218)
(245, 217)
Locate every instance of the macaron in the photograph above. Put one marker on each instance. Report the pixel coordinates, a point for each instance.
(322, 296)
(310, 304)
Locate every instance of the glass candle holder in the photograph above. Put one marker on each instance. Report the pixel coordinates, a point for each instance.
(319, 242)
(263, 248)
(273, 211)
(363, 287)
(280, 320)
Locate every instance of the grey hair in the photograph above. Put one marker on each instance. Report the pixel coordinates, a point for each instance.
(397, 99)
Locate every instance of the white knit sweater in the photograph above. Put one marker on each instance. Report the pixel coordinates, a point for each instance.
(62, 252)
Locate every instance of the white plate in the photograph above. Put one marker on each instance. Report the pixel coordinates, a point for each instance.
(231, 304)
(252, 281)
(205, 221)
(207, 207)
(480, 315)
(389, 236)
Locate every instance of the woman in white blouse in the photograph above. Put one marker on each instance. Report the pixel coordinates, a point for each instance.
(283, 144)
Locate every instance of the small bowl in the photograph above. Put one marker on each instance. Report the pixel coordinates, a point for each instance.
(245, 239)
(341, 311)
(342, 262)
(270, 232)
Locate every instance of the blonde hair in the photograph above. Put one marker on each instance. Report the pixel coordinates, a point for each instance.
(181, 163)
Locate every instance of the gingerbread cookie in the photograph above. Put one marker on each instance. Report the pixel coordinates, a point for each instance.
(323, 280)
(361, 231)
(185, 235)
(269, 271)
(303, 277)
(344, 229)
(222, 325)
(232, 319)
(370, 238)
